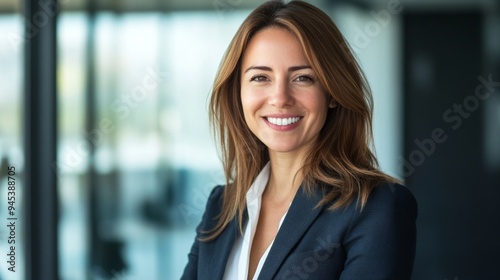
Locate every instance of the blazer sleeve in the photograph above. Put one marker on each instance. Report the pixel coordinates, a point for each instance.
(191, 269)
(381, 240)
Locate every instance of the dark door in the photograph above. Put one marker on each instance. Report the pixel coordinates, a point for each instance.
(444, 165)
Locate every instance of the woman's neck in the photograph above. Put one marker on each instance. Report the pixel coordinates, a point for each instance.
(285, 177)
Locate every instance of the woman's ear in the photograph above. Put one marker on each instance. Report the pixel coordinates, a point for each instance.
(332, 103)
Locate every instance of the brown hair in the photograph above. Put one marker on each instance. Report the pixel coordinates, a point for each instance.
(341, 159)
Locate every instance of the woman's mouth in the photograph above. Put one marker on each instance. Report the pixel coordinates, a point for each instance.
(283, 121)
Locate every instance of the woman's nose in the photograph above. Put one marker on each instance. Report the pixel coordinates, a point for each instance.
(280, 95)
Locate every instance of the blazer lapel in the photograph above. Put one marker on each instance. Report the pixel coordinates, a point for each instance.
(300, 216)
(221, 248)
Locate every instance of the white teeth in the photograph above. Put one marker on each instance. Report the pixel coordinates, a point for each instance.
(283, 121)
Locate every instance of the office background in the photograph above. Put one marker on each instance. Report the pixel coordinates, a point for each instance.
(103, 109)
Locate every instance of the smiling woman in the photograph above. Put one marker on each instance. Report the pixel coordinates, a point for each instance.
(304, 198)
(283, 103)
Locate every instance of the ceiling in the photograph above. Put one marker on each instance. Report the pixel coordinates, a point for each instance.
(15, 6)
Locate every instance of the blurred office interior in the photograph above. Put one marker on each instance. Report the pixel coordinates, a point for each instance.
(103, 110)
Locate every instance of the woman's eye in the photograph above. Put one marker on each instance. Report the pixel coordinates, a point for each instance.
(259, 78)
(304, 79)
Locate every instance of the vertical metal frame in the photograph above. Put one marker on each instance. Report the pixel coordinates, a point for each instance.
(90, 120)
(40, 139)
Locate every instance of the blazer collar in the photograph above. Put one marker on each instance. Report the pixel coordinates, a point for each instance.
(300, 216)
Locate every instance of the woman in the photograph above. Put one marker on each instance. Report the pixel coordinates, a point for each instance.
(304, 198)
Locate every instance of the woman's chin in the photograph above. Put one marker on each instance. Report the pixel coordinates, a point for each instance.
(282, 148)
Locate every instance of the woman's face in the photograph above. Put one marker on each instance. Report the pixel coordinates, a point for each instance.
(283, 102)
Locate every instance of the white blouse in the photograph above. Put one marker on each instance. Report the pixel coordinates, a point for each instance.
(238, 262)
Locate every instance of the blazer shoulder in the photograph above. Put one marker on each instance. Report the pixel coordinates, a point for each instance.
(214, 202)
(381, 237)
(388, 204)
(392, 196)
(213, 208)
(196, 257)
(216, 193)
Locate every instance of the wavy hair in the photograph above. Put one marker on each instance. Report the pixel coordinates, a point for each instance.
(342, 159)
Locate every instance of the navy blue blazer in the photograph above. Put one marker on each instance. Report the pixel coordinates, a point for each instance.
(316, 243)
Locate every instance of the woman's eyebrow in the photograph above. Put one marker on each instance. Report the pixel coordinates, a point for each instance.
(263, 68)
(267, 68)
(295, 68)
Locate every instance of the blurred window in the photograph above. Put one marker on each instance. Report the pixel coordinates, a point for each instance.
(11, 131)
(155, 158)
